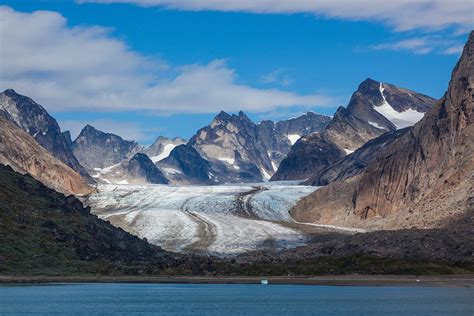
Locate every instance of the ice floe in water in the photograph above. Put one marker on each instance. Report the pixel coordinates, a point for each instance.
(221, 220)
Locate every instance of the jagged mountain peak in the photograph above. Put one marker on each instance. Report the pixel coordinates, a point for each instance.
(97, 149)
(10, 91)
(222, 116)
(90, 130)
(368, 84)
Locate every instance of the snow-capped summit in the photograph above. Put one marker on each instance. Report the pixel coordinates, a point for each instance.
(374, 109)
(388, 107)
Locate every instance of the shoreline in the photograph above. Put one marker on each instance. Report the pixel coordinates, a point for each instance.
(339, 280)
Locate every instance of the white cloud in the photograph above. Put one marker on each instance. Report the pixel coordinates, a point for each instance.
(401, 14)
(423, 45)
(277, 76)
(453, 50)
(416, 45)
(86, 68)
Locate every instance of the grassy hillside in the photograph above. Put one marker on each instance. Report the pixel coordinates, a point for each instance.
(44, 232)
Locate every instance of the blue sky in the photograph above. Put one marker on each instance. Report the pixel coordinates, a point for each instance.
(167, 68)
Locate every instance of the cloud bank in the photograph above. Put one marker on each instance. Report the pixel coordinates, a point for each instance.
(402, 15)
(423, 45)
(86, 68)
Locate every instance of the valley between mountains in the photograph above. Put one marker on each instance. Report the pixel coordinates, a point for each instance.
(385, 185)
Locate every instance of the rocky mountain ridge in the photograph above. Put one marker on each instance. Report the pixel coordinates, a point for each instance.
(231, 149)
(239, 150)
(367, 116)
(36, 121)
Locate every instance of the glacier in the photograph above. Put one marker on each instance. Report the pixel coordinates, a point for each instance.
(222, 220)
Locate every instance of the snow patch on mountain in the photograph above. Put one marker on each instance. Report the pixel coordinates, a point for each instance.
(165, 153)
(230, 161)
(376, 125)
(400, 119)
(170, 170)
(293, 138)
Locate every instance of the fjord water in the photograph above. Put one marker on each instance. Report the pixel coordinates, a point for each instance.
(232, 299)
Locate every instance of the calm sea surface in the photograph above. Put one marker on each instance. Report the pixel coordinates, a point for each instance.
(198, 299)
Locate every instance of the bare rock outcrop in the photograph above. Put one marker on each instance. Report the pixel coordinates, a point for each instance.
(21, 152)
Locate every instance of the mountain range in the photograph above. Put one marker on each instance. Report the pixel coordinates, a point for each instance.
(393, 159)
(232, 148)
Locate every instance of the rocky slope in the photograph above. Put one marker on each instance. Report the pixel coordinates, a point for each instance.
(96, 149)
(46, 233)
(355, 163)
(184, 165)
(422, 179)
(136, 170)
(408, 251)
(367, 116)
(279, 136)
(20, 151)
(34, 119)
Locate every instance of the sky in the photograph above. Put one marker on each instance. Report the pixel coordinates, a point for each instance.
(145, 68)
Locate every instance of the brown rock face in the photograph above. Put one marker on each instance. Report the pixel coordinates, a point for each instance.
(421, 179)
(437, 153)
(20, 151)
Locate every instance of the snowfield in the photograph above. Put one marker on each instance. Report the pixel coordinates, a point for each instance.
(221, 220)
(399, 119)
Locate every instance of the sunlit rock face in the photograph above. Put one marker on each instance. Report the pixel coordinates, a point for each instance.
(36, 121)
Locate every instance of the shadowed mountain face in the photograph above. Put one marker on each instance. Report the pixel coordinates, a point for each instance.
(96, 149)
(20, 151)
(44, 232)
(34, 119)
(355, 163)
(280, 136)
(374, 109)
(423, 178)
(137, 170)
(141, 169)
(184, 165)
